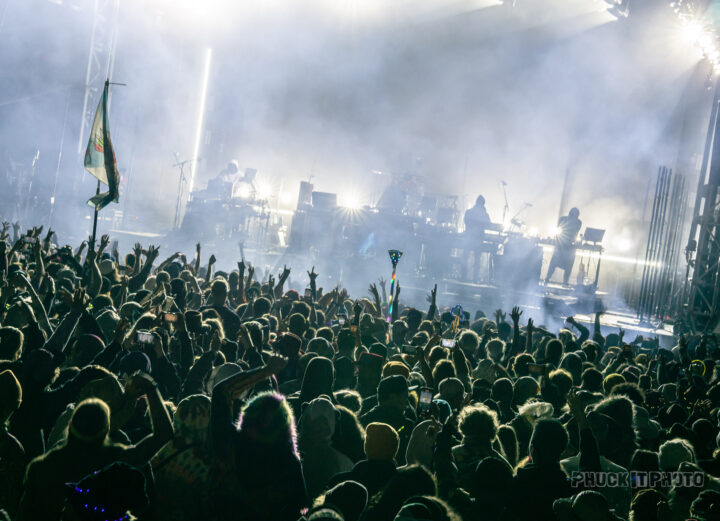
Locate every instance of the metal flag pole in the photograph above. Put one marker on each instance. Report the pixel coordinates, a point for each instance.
(95, 218)
(394, 258)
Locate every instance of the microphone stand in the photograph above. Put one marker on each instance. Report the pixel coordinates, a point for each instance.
(506, 208)
(181, 166)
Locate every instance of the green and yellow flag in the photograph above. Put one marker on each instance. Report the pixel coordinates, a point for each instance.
(100, 157)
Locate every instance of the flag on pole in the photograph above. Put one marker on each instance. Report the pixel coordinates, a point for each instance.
(100, 157)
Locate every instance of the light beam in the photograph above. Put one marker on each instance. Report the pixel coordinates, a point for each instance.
(200, 118)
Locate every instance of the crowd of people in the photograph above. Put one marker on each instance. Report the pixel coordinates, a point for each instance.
(138, 389)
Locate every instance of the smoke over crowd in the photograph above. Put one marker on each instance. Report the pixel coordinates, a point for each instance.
(464, 94)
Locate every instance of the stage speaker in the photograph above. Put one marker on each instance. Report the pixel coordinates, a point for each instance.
(324, 201)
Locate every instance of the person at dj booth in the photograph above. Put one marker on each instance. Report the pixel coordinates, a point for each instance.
(220, 186)
(477, 221)
(564, 255)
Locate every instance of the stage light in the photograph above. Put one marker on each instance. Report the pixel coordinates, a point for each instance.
(243, 191)
(286, 198)
(692, 31)
(556, 230)
(623, 244)
(351, 202)
(533, 232)
(263, 190)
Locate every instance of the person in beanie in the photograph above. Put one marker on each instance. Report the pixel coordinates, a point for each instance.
(349, 497)
(381, 446)
(88, 449)
(392, 396)
(12, 454)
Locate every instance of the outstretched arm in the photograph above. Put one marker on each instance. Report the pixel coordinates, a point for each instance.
(138, 280)
(584, 332)
(140, 454)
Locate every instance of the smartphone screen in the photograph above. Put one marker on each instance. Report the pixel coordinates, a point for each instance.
(308, 293)
(145, 337)
(408, 349)
(424, 401)
(30, 240)
(170, 317)
(341, 319)
(448, 342)
(536, 369)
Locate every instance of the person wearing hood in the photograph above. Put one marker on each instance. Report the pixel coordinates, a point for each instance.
(320, 460)
(182, 467)
(542, 481)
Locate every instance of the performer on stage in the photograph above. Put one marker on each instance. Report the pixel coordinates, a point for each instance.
(477, 220)
(220, 187)
(564, 254)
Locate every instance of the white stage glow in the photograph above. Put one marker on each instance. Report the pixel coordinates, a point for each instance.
(263, 190)
(351, 202)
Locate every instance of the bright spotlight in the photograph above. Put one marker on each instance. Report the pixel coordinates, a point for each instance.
(242, 191)
(623, 244)
(692, 32)
(263, 190)
(556, 231)
(351, 202)
(699, 34)
(286, 198)
(533, 232)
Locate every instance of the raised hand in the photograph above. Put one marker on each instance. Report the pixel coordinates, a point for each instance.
(285, 274)
(357, 308)
(515, 315)
(577, 408)
(139, 384)
(212, 259)
(104, 241)
(241, 267)
(530, 324)
(382, 283)
(79, 300)
(374, 291)
(499, 316)
(276, 363)
(432, 296)
(153, 252)
(121, 330)
(312, 274)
